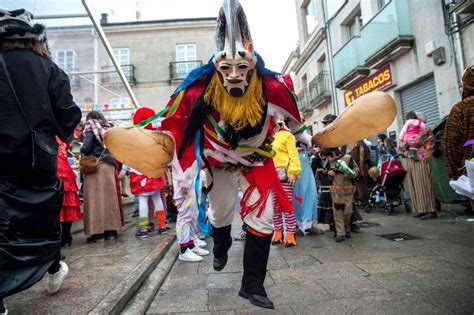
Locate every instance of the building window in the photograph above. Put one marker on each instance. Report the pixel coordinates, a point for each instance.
(185, 58)
(354, 26)
(310, 16)
(123, 58)
(65, 59)
(382, 3)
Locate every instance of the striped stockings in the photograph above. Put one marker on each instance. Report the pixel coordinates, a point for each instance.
(284, 221)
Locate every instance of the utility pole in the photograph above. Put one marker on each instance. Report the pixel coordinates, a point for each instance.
(96, 66)
(108, 48)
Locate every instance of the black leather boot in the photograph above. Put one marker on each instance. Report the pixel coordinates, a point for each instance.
(222, 243)
(66, 238)
(256, 254)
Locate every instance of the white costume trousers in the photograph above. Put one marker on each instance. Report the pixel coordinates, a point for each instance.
(186, 221)
(223, 198)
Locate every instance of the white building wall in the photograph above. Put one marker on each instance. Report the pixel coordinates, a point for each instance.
(427, 24)
(310, 67)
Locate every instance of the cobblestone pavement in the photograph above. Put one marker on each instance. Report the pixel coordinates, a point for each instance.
(96, 271)
(366, 274)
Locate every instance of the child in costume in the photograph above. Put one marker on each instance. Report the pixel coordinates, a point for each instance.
(342, 170)
(191, 247)
(145, 187)
(305, 188)
(411, 131)
(414, 133)
(287, 163)
(324, 182)
(71, 208)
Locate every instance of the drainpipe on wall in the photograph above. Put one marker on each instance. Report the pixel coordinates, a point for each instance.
(329, 54)
(457, 44)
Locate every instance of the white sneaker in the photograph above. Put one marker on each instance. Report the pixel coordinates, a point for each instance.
(200, 251)
(199, 242)
(55, 280)
(189, 255)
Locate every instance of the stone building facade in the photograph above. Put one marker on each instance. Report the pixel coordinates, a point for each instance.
(409, 40)
(415, 50)
(155, 56)
(309, 64)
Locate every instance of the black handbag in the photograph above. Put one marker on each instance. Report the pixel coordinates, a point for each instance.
(44, 147)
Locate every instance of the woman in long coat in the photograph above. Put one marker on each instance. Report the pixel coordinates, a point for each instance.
(35, 94)
(101, 205)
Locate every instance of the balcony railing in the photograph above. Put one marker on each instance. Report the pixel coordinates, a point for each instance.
(389, 24)
(303, 101)
(74, 79)
(114, 78)
(180, 69)
(319, 89)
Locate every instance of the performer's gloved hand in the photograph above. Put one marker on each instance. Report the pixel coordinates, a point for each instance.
(292, 179)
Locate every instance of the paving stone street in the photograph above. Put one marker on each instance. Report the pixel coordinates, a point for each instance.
(366, 274)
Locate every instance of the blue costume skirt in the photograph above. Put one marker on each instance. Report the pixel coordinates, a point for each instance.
(305, 188)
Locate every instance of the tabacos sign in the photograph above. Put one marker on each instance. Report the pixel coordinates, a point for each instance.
(381, 80)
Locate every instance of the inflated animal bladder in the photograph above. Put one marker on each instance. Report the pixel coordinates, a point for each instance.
(366, 116)
(148, 152)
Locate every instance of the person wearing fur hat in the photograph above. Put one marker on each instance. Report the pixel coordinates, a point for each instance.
(459, 128)
(37, 105)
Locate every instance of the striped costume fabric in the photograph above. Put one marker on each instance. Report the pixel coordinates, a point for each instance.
(285, 220)
(421, 186)
(151, 205)
(459, 128)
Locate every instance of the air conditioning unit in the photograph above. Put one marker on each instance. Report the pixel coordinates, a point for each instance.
(439, 56)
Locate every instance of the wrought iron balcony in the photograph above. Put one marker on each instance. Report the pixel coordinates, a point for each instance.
(462, 6)
(74, 79)
(114, 78)
(303, 101)
(319, 89)
(180, 69)
(383, 38)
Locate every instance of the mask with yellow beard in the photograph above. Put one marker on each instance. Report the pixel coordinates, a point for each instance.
(235, 90)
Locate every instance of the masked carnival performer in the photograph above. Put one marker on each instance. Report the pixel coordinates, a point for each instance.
(222, 117)
(225, 113)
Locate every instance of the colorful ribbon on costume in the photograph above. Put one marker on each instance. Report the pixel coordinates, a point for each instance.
(244, 148)
(201, 205)
(167, 109)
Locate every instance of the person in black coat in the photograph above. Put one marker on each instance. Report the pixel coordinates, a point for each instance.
(36, 105)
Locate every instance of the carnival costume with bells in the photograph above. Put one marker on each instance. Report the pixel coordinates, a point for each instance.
(222, 117)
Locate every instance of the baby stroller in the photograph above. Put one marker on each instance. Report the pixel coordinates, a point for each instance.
(387, 191)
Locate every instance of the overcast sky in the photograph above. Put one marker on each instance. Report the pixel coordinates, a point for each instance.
(272, 22)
